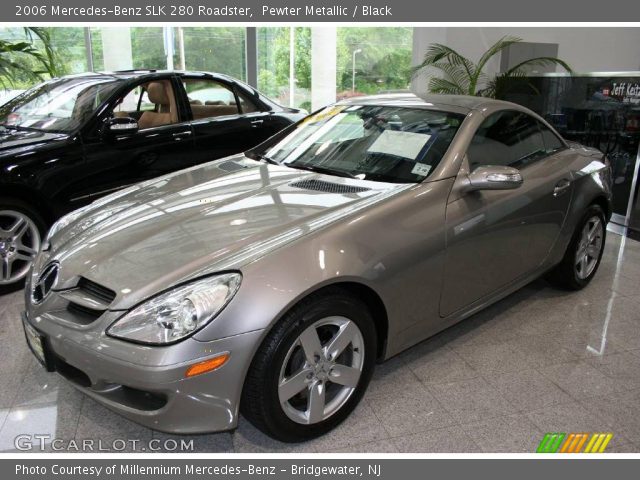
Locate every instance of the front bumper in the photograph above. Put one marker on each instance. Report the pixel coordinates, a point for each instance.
(153, 391)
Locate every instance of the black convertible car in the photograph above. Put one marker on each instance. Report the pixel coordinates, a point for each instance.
(68, 141)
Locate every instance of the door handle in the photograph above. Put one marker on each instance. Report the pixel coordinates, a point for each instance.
(561, 187)
(180, 135)
(255, 123)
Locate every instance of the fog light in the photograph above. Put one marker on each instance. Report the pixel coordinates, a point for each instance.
(207, 365)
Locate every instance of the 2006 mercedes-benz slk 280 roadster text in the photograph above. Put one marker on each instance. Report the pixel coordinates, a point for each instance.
(270, 283)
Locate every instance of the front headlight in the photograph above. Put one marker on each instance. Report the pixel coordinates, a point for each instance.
(173, 315)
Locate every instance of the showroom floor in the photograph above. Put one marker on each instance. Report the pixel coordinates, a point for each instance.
(540, 361)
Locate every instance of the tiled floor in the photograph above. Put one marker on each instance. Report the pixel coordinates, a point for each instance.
(541, 360)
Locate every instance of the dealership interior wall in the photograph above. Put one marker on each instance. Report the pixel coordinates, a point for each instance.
(311, 66)
(539, 361)
(585, 49)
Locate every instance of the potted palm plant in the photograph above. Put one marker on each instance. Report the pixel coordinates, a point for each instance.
(462, 76)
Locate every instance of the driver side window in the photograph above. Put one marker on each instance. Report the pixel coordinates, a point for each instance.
(508, 138)
(152, 104)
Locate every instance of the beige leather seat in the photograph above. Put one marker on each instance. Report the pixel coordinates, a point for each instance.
(159, 93)
(209, 111)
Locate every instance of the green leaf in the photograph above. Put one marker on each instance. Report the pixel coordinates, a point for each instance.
(443, 86)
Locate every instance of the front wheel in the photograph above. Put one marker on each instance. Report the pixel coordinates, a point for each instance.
(312, 369)
(21, 231)
(583, 255)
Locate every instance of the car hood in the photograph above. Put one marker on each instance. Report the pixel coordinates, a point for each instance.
(16, 140)
(207, 219)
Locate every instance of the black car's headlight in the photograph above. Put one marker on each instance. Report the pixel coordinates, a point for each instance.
(173, 315)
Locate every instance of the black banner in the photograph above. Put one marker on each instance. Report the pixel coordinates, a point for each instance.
(378, 11)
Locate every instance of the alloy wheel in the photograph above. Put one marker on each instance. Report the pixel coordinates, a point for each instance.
(19, 244)
(589, 247)
(321, 370)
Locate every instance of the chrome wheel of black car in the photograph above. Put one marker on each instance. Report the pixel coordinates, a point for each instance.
(19, 244)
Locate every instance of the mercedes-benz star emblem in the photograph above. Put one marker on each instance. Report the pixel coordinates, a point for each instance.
(45, 283)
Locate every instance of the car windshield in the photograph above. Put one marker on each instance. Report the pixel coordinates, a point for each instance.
(381, 143)
(59, 105)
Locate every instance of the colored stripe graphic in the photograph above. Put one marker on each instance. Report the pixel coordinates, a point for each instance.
(555, 442)
(569, 444)
(581, 443)
(550, 443)
(598, 442)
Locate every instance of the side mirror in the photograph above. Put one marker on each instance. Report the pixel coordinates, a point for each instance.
(121, 126)
(494, 177)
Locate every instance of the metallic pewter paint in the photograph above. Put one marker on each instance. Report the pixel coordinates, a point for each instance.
(432, 253)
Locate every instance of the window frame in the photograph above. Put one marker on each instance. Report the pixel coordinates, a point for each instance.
(185, 96)
(538, 122)
(563, 143)
(93, 132)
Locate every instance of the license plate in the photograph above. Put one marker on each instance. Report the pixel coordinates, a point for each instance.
(36, 343)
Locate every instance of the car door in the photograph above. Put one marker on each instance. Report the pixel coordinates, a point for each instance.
(163, 143)
(224, 121)
(263, 122)
(495, 237)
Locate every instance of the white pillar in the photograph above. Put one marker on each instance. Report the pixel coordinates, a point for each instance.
(323, 66)
(167, 35)
(116, 48)
(292, 66)
(422, 38)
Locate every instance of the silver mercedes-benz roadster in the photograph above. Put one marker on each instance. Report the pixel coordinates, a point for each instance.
(271, 283)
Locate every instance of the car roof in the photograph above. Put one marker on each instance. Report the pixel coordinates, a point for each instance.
(141, 73)
(457, 103)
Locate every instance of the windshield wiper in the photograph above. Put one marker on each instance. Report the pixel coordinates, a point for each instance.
(327, 171)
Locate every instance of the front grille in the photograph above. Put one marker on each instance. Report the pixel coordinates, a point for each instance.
(72, 373)
(121, 394)
(98, 291)
(329, 187)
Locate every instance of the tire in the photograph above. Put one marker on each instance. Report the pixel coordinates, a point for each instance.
(570, 274)
(15, 246)
(282, 358)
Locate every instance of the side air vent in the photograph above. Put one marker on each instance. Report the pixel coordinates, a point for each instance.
(99, 292)
(83, 315)
(87, 301)
(231, 167)
(329, 187)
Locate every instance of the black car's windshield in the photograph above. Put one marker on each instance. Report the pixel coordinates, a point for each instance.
(382, 143)
(59, 105)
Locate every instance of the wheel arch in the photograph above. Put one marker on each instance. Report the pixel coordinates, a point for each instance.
(603, 202)
(353, 288)
(29, 196)
(376, 307)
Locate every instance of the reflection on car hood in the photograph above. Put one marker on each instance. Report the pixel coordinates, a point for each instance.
(17, 139)
(215, 217)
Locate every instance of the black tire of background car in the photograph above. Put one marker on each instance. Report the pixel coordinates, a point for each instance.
(22, 207)
(564, 275)
(260, 403)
